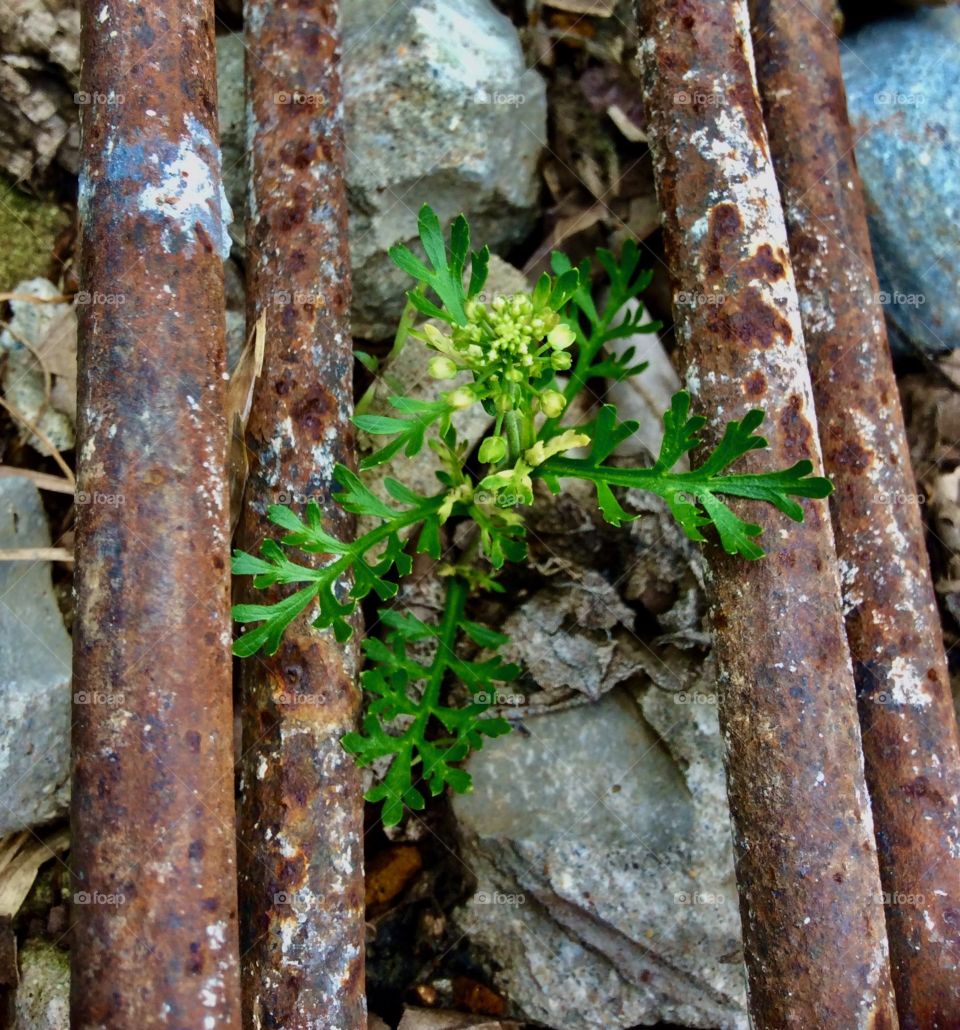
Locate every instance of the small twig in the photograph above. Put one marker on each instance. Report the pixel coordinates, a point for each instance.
(41, 480)
(42, 436)
(32, 298)
(36, 554)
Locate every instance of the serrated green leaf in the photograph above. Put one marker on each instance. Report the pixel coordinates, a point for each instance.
(694, 496)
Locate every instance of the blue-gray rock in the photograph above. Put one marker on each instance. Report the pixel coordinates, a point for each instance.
(35, 664)
(905, 108)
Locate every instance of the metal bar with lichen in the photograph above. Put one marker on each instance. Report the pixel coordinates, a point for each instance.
(301, 822)
(155, 940)
(906, 709)
(813, 925)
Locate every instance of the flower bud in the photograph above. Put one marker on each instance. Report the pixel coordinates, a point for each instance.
(461, 398)
(560, 361)
(561, 337)
(552, 403)
(493, 449)
(434, 337)
(441, 368)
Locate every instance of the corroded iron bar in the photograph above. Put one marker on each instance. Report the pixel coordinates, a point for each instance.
(814, 937)
(302, 891)
(906, 710)
(155, 907)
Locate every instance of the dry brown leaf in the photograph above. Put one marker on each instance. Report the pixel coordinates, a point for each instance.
(239, 402)
(57, 354)
(432, 1019)
(389, 874)
(41, 480)
(476, 997)
(21, 855)
(596, 8)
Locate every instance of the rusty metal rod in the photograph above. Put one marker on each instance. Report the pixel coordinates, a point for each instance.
(813, 927)
(155, 939)
(301, 823)
(906, 710)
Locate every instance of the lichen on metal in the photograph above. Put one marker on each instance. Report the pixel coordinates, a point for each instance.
(301, 819)
(906, 710)
(807, 873)
(155, 938)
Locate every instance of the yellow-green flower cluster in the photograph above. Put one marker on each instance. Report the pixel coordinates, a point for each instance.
(507, 341)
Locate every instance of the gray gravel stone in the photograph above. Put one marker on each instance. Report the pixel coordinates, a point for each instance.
(439, 108)
(901, 89)
(600, 841)
(35, 662)
(43, 997)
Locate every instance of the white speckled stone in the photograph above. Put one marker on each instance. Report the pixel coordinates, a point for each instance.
(599, 837)
(43, 996)
(439, 108)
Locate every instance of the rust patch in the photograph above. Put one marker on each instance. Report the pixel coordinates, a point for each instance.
(746, 318)
(765, 265)
(755, 385)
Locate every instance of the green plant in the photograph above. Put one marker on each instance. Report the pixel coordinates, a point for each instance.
(504, 355)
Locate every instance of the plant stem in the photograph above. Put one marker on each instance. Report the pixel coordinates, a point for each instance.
(511, 424)
(447, 638)
(407, 320)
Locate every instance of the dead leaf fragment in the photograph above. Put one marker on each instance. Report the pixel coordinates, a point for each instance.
(476, 997)
(390, 873)
(595, 8)
(21, 855)
(431, 1019)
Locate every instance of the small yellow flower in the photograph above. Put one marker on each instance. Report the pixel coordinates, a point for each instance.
(552, 403)
(541, 450)
(442, 368)
(493, 449)
(461, 398)
(463, 492)
(561, 337)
